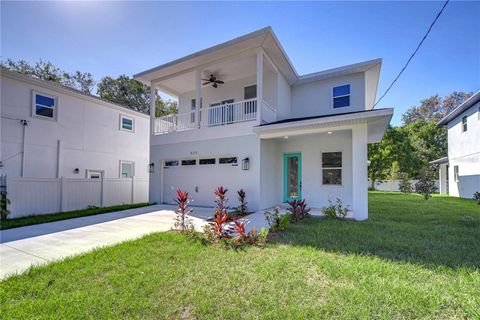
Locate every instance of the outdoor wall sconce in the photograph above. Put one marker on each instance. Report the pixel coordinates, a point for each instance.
(245, 164)
(151, 167)
(76, 171)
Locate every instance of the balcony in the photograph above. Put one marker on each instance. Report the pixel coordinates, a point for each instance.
(216, 115)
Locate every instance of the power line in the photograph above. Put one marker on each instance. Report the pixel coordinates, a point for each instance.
(413, 54)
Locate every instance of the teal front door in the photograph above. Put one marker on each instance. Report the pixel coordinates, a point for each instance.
(292, 176)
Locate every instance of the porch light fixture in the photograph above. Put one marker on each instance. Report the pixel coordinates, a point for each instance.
(246, 164)
(76, 171)
(151, 167)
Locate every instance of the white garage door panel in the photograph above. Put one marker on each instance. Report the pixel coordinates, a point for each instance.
(206, 178)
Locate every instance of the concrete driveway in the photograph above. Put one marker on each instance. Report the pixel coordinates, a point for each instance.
(23, 247)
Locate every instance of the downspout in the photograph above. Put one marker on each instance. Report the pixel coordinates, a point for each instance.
(24, 137)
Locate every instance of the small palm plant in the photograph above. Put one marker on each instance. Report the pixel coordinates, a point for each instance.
(221, 198)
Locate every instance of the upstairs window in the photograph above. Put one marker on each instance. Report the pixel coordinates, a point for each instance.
(464, 124)
(250, 92)
(127, 123)
(44, 105)
(193, 109)
(341, 96)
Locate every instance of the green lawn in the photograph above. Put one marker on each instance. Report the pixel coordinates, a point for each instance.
(412, 259)
(36, 219)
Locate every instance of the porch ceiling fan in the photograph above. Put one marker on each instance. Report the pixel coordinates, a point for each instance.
(213, 81)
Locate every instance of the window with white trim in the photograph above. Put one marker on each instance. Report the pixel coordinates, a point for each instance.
(171, 163)
(341, 96)
(464, 124)
(207, 161)
(44, 105)
(455, 173)
(126, 169)
(331, 168)
(189, 162)
(127, 123)
(94, 174)
(228, 160)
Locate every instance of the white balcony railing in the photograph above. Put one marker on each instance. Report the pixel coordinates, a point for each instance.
(215, 115)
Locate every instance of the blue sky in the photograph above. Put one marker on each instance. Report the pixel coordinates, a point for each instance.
(112, 38)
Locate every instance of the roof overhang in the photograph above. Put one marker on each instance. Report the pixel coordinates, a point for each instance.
(440, 161)
(68, 91)
(263, 38)
(376, 120)
(341, 71)
(470, 102)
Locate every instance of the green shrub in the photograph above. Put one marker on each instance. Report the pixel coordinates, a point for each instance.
(426, 184)
(336, 210)
(476, 196)
(405, 185)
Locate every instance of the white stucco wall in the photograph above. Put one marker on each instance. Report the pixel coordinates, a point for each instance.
(311, 148)
(315, 98)
(284, 98)
(201, 180)
(464, 152)
(88, 130)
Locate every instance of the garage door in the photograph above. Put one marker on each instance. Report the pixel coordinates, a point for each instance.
(200, 180)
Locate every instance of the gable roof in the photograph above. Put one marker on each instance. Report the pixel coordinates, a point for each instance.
(67, 90)
(470, 102)
(264, 38)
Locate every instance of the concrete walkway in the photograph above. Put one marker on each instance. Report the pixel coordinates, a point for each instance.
(23, 247)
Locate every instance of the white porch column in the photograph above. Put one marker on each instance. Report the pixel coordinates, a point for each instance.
(153, 97)
(259, 86)
(443, 178)
(198, 96)
(360, 172)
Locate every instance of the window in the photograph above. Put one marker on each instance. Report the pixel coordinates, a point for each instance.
(455, 173)
(191, 162)
(341, 96)
(127, 123)
(464, 124)
(332, 168)
(229, 160)
(171, 163)
(250, 92)
(126, 169)
(44, 105)
(207, 161)
(94, 174)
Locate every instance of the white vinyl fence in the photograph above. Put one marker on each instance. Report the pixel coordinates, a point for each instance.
(392, 185)
(31, 196)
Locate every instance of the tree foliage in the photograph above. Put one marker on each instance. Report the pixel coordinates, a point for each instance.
(121, 90)
(410, 147)
(45, 70)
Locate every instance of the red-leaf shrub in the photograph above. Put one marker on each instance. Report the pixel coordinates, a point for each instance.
(182, 222)
(242, 196)
(221, 198)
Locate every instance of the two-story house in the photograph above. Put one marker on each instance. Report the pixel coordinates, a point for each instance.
(247, 120)
(459, 172)
(62, 149)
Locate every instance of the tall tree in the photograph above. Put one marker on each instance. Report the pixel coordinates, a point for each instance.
(45, 70)
(134, 94)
